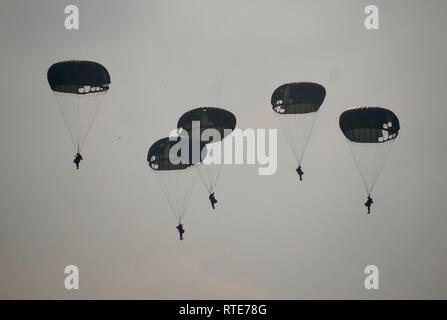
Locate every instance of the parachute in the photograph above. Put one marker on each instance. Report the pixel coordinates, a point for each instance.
(208, 118)
(296, 106)
(370, 132)
(79, 87)
(176, 180)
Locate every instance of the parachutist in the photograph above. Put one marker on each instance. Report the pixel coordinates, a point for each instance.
(370, 132)
(368, 203)
(175, 179)
(212, 200)
(77, 160)
(300, 172)
(181, 231)
(297, 105)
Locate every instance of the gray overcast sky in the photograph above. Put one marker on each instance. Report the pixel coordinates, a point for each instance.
(271, 236)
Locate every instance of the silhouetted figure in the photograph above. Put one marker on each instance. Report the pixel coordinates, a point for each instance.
(212, 200)
(181, 231)
(77, 159)
(300, 172)
(368, 203)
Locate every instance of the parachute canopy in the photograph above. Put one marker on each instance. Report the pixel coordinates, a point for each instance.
(369, 124)
(209, 117)
(158, 155)
(298, 98)
(78, 77)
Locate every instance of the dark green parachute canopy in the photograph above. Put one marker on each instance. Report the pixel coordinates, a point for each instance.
(79, 77)
(209, 117)
(298, 97)
(369, 124)
(158, 155)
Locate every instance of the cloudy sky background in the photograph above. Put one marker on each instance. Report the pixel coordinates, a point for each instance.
(271, 236)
